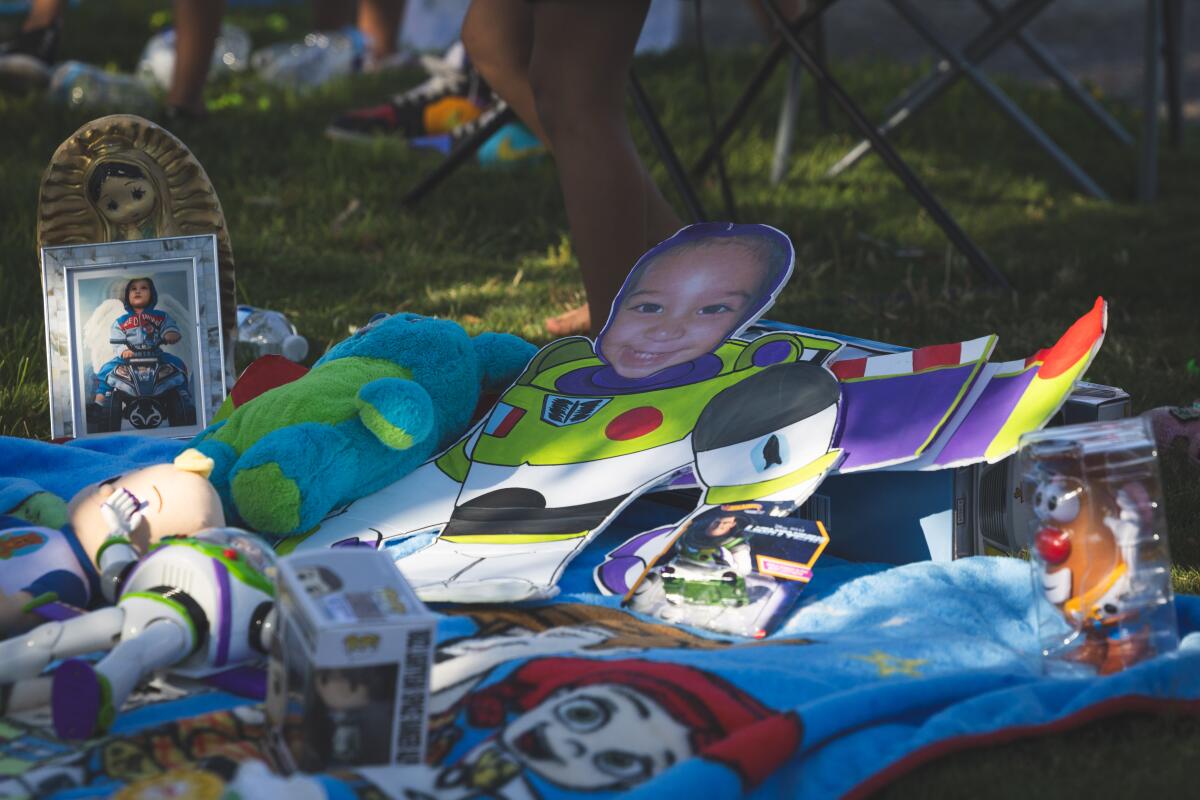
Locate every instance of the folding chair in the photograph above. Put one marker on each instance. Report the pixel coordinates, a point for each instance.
(790, 40)
(1162, 17)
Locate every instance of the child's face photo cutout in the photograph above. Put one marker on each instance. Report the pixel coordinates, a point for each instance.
(692, 292)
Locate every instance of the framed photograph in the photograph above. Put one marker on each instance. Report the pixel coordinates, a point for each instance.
(133, 336)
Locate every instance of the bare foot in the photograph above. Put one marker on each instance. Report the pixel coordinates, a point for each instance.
(575, 322)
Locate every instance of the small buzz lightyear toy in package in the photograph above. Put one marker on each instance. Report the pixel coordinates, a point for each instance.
(1102, 572)
(736, 568)
(348, 679)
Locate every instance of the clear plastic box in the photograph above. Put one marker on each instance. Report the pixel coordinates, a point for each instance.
(1101, 566)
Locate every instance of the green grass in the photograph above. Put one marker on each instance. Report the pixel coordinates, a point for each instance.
(490, 249)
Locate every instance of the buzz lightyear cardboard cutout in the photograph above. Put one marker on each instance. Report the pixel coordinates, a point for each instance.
(673, 393)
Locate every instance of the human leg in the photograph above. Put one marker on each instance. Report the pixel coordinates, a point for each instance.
(27, 59)
(43, 14)
(197, 23)
(498, 35)
(380, 21)
(578, 71)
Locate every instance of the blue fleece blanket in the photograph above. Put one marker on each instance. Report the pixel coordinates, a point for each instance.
(879, 669)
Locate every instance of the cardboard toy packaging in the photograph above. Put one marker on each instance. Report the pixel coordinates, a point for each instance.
(736, 568)
(1100, 558)
(349, 669)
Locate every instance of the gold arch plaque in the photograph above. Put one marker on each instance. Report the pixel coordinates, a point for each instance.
(122, 177)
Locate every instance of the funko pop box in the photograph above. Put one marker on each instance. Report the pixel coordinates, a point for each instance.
(349, 668)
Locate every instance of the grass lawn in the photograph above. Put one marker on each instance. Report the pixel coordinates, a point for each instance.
(490, 249)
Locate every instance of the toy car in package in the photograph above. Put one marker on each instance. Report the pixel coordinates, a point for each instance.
(348, 682)
(735, 568)
(1102, 572)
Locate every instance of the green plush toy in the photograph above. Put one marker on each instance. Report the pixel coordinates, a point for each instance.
(370, 411)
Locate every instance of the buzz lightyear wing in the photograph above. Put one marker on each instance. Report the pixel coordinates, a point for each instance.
(953, 408)
(896, 405)
(1022, 396)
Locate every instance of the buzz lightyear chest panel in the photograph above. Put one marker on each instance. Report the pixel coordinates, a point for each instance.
(212, 588)
(536, 423)
(552, 465)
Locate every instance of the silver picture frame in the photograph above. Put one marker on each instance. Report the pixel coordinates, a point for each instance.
(116, 367)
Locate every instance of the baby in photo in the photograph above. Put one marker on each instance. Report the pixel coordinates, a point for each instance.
(692, 292)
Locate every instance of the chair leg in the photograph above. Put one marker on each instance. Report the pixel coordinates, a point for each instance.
(922, 26)
(1042, 58)
(1173, 62)
(914, 185)
(1014, 18)
(666, 152)
(457, 157)
(1151, 96)
(785, 131)
(758, 81)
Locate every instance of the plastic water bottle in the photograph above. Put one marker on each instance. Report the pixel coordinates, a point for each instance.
(230, 54)
(263, 332)
(84, 86)
(317, 59)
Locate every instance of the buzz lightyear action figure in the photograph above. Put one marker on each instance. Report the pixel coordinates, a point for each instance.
(196, 605)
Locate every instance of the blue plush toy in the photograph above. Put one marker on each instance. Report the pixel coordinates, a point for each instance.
(370, 411)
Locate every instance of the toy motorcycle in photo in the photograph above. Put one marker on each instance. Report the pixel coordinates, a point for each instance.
(147, 390)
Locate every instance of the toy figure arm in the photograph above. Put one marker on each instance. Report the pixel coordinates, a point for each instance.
(398, 412)
(739, 558)
(114, 556)
(123, 513)
(169, 326)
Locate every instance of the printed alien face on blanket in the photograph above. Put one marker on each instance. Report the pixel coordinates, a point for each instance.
(675, 393)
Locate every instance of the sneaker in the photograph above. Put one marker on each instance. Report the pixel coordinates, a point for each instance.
(445, 142)
(421, 111)
(513, 142)
(27, 61)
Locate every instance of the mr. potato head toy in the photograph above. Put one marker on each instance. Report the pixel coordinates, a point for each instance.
(1086, 549)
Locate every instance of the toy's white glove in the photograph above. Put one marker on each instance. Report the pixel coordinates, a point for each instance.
(123, 512)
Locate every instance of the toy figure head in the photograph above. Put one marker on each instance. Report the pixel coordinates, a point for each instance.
(710, 533)
(721, 527)
(346, 689)
(689, 294)
(318, 581)
(140, 294)
(611, 725)
(122, 193)
(176, 498)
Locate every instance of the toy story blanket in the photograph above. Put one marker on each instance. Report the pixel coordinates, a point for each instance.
(581, 696)
(878, 670)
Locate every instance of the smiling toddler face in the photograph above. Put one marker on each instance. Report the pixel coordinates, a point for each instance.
(686, 303)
